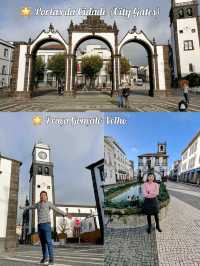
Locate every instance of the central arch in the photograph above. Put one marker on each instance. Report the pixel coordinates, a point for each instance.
(92, 28)
(93, 37)
(140, 38)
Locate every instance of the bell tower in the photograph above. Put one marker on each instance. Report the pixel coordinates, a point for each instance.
(185, 37)
(162, 148)
(41, 179)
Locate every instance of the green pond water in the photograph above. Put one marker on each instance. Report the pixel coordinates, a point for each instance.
(136, 191)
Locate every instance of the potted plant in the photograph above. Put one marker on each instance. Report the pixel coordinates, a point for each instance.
(62, 229)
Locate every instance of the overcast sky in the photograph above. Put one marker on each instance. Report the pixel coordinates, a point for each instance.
(73, 148)
(14, 27)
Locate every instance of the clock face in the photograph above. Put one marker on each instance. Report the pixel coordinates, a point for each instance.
(42, 155)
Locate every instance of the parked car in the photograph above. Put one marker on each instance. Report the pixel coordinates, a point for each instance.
(139, 82)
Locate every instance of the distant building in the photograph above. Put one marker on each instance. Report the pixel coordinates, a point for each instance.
(176, 170)
(190, 161)
(117, 166)
(6, 51)
(156, 163)
(77, 212)
(9, 185)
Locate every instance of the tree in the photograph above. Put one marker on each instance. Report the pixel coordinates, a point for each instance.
(57, 65)
(90, 66)
(39, 69)
(124, 66)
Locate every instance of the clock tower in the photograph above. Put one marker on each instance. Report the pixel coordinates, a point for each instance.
(185, 37)
(41, 179)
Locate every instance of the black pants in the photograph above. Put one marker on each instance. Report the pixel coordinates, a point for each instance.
(156, 220)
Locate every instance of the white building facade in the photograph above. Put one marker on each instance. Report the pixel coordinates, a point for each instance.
(117, 166)
(156, 163)
(6, 51)
(77, 212)
(185, 37)
(190, 162)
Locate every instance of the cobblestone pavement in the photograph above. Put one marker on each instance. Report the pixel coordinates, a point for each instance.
(177, 245)
(130, 247)
(69, 256)
(179, 242)
(95, 101)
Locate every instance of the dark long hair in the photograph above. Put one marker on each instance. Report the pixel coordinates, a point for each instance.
(152, 175)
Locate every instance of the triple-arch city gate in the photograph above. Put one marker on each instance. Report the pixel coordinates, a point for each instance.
(22, 83)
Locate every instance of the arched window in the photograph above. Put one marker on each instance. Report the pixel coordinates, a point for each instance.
(181, 13)
(189, 12)
(39, 171)
(46, 170)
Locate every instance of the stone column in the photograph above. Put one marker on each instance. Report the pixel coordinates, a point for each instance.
(10, 242)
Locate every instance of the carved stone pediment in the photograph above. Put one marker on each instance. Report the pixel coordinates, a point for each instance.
(93, 24)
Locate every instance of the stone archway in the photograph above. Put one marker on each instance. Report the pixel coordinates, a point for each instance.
(157, 60)
(92, 28)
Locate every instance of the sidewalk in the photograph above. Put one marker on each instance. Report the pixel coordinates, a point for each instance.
(179, 242)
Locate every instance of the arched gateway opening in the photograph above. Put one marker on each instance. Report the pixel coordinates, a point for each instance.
(92, 28)
(39, 50)
(133, 37)
(93, 47)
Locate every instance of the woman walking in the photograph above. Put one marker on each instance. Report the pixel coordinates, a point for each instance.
(151, 204)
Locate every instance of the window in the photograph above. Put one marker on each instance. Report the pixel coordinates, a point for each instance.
(188, 45)
(4, 70)
(5, 52)
(189, 12)
(79, 210)
(91, 211)
(193, 30)
(48, 187)
(38, 186)
(180, 31)
(191, 69)
(46, 171)
(39, 172)
(67, 210)
(181, 13)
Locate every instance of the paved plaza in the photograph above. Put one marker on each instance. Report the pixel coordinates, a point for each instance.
(69, 256)
(90, 101)
(177, 245)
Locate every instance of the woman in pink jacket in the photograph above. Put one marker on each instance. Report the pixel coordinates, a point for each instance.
(151, 203)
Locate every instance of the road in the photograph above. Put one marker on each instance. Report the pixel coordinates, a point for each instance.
(69, 256)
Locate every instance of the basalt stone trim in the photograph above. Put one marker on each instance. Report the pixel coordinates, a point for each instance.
(14, 69)
(10, 241)
(167, 69)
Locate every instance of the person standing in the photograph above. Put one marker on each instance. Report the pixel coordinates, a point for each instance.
(120, 98)
(186, 91)
(151, 204)
(44, 226)
(126, 93)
